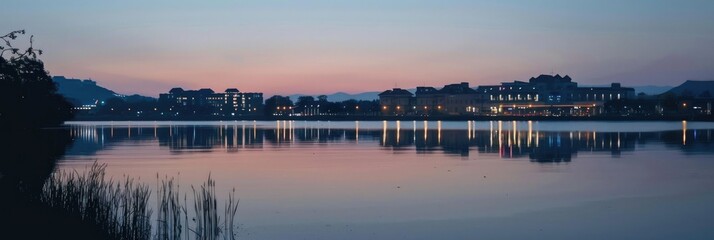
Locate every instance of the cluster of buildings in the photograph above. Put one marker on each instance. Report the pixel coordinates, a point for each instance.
(205, 101)
(545, 95)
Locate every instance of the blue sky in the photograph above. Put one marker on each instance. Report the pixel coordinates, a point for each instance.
(282, 47)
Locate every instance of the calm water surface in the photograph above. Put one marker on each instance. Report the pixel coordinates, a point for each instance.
(429, 180)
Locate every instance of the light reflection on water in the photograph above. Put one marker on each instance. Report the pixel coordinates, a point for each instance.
(512, 142)
(317, 173)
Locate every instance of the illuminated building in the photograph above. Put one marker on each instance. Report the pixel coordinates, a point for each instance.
(207, 102)
(545, 95)
(396, 102)
(550, 96)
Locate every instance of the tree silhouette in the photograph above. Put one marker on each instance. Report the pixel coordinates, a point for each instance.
(28, 97)
(669, 102)
(277, 104)
(303, 103)
(29, 102)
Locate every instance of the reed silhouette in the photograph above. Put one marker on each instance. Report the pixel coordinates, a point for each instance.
(121, 209)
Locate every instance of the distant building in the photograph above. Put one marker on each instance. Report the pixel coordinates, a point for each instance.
(452, 99)
(545, 95)
(237, 103)
(429, 101)
(460, 99)
(396, 102)
(551, 96)
(207, 102)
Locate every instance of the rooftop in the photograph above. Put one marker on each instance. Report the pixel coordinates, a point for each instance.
(396, 92)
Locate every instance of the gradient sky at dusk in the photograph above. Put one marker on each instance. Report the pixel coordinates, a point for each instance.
(313, 47)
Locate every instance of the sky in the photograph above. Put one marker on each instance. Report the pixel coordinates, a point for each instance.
(322, 47)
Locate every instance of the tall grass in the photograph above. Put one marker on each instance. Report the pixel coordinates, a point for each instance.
(229, 214)
(118, 209)
(169, 224)
(121, 209)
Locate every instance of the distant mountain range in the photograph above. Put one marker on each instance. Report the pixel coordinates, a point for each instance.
(652, 90)
(341, 96)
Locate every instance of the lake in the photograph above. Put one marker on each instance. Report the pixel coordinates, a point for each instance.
(428, 180)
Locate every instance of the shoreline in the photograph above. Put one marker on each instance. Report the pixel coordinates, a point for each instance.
(398, 118)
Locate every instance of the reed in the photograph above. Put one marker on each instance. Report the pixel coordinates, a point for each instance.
(229, 214)
(169, 225)
(121, 209)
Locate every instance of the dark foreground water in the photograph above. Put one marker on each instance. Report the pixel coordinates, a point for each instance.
(429, 180)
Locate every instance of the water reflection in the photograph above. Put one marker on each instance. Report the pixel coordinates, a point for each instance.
(508, 140)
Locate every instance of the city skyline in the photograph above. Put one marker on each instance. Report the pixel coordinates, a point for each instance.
(321, 47)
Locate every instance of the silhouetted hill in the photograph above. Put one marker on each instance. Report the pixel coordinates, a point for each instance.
(81, 92)
(694, 89)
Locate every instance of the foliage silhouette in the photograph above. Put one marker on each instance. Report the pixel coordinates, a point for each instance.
(272, 104)
(28, 97)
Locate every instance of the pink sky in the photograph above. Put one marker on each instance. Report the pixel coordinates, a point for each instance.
(318, 47)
